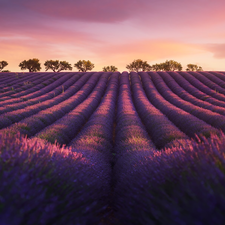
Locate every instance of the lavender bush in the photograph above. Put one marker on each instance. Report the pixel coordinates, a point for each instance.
(178, 186)
(161, 130)
(220, 75)
(202, 87)
(66, 128)
(34, 81)
(44, 184)
(39, 90)
(214, 119)
(112, 173)
(179, 91)
(204, 77)
(186, 122)
(213, 78)
(31, 125)
(35, 105)
(193, 90)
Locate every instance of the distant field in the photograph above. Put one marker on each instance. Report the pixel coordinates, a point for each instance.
(112, 148)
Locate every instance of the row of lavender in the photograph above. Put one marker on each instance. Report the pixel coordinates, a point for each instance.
(31, 92)
(24, 83)
(69, 186)
(212, 118)
(51, 110)
(45, 184)
(155, 106)
(179, 186)
(20, 111)
(36, 117)
(138, 165)
(31, 96)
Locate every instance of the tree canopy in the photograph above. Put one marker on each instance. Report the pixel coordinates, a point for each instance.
(83, 65)
(32, 65)
(57, 65)
(193, 67)
(168, 65)
(157, 67)
(110, 69)
(3, 64)
(171, 65)
(138, 65)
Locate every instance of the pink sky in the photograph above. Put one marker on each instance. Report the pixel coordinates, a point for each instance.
(113, 32)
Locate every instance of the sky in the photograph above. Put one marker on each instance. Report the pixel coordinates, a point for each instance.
(113, 32)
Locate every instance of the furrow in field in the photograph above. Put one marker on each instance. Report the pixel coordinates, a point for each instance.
(33, 124)
(13, 78)
(98, 131)
(71, 86)
(194, 90)
(14, 89)
(185, 121)
(96, 136)
(41, 97)
(66, 128)
(213, 78)
(132, 142)
(204, 77)
(214, 119)
(201, 86)
(131, 134)
(220, 75)
(161, 130)
(38, 90)
(179, 91)
(32, 90)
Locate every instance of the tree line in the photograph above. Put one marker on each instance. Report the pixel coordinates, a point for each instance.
(33, 65)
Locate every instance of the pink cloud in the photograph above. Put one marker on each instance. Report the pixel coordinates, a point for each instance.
(150, 13)
(110, 31)
(218, 50)
(86, 10)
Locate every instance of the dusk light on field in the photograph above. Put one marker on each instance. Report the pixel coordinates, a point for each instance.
(113, 32)
(112, 112)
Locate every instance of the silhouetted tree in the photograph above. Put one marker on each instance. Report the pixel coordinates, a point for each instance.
(57, 66)
(157, 67)
(3, 64)
(83, 65)
(193, 67)
(169, 65)
(110, 69)
(138, 65)
(32, 65)
(5, 71)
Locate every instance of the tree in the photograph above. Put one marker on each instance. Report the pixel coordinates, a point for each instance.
(6, 71)
(157, 67)
(57, 66)
(138, 65)
(32, 65)
(83, 65)
(171, 65)
(3, 64)
(110, 69)
(193, 67)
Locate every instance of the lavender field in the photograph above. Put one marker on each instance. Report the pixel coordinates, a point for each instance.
(112, 148)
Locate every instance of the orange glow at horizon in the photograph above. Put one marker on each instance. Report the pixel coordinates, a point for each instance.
(112, 34)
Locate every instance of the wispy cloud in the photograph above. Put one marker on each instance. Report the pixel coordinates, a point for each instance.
(111, 31)
(218, 50)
